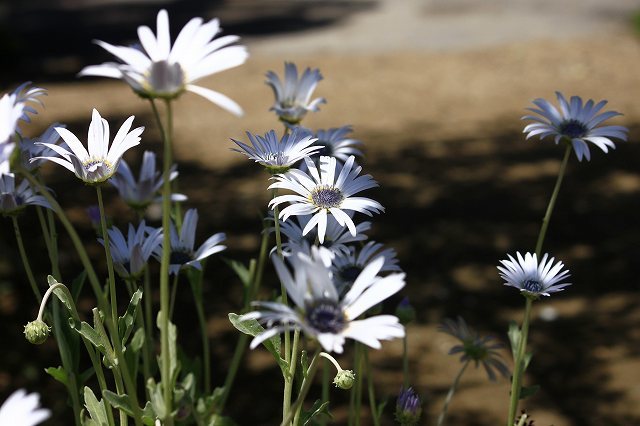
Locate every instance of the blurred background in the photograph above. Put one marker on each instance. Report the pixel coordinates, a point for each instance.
(435, 89)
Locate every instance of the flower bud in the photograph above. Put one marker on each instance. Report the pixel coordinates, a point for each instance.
(344, 379)
(408, 408)
(405, 312)
(37, 332)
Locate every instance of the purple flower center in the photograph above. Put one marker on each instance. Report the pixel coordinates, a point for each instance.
(179, 257)
(326, 316)
(326, 197)
(532, 286)
(573, 128)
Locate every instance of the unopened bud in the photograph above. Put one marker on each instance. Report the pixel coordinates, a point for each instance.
(405, 312)
(344, 379)
(37, 332)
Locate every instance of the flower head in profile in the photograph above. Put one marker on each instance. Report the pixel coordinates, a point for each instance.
(13, 199)
(321, 313)
(480, 349)
(159, 70)
(577, 122)
(100, 162)
(347, 266)
(408, 407)
(131, 253)
(26, 95)
(329, 189)
(140, 193)
(22, 409)
(183, 253)
(533, 278)
(293, 95)
(278, 156)
(32, 147)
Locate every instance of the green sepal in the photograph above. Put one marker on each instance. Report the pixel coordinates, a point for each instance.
(253, 328)
(527, 391)
(127, 321)
(58, 373)
(96, 409)
(319, 409)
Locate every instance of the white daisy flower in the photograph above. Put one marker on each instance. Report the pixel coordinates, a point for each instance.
(278, 155)
(6, 150)
(335, 143)
(531, 278)
(347, 266)
(130, 254)
(15, 198)
(321, 313)
(576, 122)
(10, 112)
(182, 251)
(101, 161)
(139, 194)
(336, 238)
(159, 70)
(30, 148)
(293, 96)
(25, 95)
(22, 409)
(328, 190)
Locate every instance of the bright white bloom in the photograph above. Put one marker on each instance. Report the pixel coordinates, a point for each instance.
(347, 266)
(335, 240)
(182, 251)
(320, 312)
(101, 161)
(13, 199)
(130, 254)
(22, 409)
(531, 278)
(30, 147)
(328, 190)
(575, 122)
(10, 112)
(160, 70)
(139, 194)
(293, 96)
(335, 143)
(6, 150)
(278, 155)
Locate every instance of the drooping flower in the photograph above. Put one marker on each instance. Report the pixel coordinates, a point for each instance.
(576, 122)
(327, 190)
(347, 266)
(481, 350)
(293, 96)
(101, 161)
(408, 407)
(15, 198)
(138, 194)
(32, 147)
(531, 278)
(22, 409)
(336, 238)
(278, 156)
(321, 313)
(159, 70)
(182, 246)
(130, 254)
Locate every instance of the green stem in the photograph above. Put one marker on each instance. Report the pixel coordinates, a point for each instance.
(405, 363)
(25, 259)
(356, 391)
(518, 368)
(206, 350)
(53, 255)
(43, 225)
(372, 395)
(164, 266)
(304, 390)
(326, 377)
(288, 386)
(174, 289)
(452, 391)
(148, 321)
(552, 201)
(107, 251)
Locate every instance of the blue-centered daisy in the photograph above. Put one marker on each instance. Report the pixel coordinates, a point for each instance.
(278, 155)
(321, 313)
(130, 254)
(182, 249)
(14, 198)
(100, 162)
(293, 95)
(140, 193)
(158, 69)
(329, 189)
(532, 278)
(577, 122)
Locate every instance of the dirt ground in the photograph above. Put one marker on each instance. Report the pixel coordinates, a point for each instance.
(462, 188)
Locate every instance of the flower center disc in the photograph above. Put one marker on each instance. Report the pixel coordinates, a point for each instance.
(573, 128)
(326, 197)
(179, 257)
(165, 78)
(326, 317)
(532, 286)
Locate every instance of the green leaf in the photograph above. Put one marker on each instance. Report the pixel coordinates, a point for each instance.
(77, 284)
(121, 402)
(173, 353)
(62, 295)
(319, 409)
(528, 391)
(527, 360)
(156, 399)
(241, 271)
(148, 415)
(514, 337)
(126, 322)
(96, 409)
(90, 334)
(58, 373)
(137, 342)
(253, 328)
(218, 420)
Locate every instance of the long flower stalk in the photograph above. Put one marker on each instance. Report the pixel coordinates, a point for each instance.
(304, 390)
(25, 259)
(452, 390)
(371, 390)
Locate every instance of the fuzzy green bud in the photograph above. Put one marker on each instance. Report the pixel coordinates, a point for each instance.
(405, 312)
(37, 332)
(344, 379)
